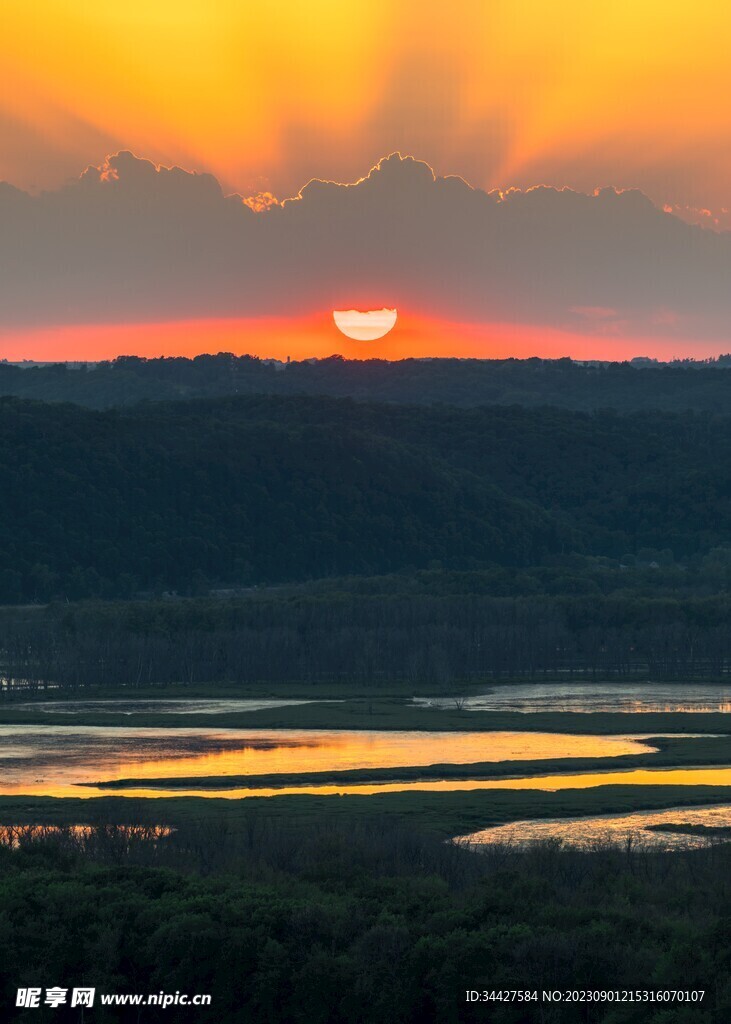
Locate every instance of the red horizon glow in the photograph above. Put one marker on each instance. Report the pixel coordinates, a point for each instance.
(315, 336)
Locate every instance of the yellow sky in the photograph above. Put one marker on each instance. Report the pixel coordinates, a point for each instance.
(266, 95)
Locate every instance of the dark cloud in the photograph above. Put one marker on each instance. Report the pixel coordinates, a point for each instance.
(130, 241)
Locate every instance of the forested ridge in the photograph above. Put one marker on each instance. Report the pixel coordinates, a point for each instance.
(625, 387)
(253, 490)
(183, 495)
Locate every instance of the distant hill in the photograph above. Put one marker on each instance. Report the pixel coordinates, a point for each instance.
(625, 387)
(248, 490)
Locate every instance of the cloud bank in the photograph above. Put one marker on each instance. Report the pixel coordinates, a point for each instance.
(129, 241)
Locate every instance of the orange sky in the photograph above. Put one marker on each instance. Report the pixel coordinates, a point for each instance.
(267, 95)
(317, 336)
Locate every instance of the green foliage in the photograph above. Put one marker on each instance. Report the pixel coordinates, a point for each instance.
(243, 491)
(173, 497)
(373, 925)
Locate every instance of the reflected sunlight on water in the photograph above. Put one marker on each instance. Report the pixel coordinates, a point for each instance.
(50, 760)
(533, 698)
(14, 836)
(162, 706)
(590, 832)
(544, 783)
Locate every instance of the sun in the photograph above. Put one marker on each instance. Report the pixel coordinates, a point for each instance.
(368, 326)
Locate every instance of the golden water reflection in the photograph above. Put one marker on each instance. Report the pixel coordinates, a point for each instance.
(544, 783)
(547, 783)
(592, 832)
(51, 760)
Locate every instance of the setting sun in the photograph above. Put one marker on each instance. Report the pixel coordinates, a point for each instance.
(368, 326)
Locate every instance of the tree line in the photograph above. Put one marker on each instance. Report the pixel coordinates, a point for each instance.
(626, 387)
(370, 641)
